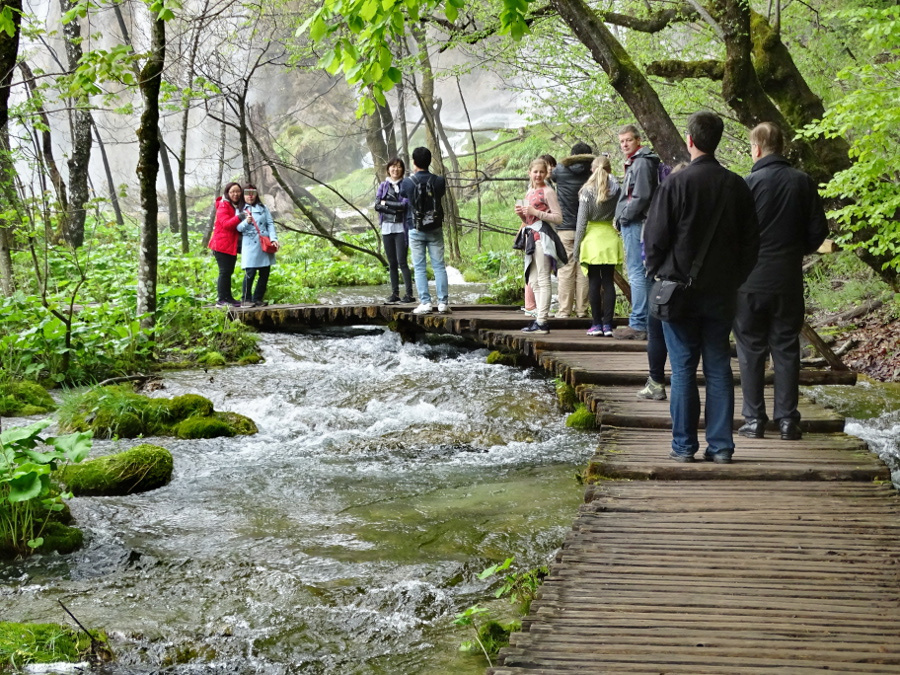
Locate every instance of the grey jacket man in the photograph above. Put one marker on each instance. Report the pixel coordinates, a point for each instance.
(641, 181)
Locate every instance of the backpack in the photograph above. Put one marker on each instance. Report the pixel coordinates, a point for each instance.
(662, 171)
(427, 212)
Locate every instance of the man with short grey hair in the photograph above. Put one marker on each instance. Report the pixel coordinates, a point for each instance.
(638, 188)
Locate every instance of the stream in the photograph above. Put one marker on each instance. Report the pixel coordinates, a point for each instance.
(344, 536)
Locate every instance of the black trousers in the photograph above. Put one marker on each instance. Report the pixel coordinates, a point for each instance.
(226, 264)
(601, 293)
(395, 248)
(657, 353)
(769, 323)
(248, 293)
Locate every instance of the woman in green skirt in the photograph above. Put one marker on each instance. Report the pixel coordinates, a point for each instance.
(598, 246)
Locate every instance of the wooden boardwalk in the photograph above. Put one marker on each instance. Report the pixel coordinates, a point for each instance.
(785, 561)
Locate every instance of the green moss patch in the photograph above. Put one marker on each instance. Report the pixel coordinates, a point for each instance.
(504, 358)
(566, 396)
(24, 643)
(60, 538)
(117, 411)
(142, 468)
(18, 399)
(582, 418)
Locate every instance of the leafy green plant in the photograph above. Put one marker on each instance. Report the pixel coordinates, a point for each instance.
(869, 115)
(27, 497)
(489, 635)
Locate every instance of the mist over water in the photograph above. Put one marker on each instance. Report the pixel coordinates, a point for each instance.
(344, 537)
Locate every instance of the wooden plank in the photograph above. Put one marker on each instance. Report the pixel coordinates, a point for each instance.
(618, 406)
(643, 454)
(665, 577)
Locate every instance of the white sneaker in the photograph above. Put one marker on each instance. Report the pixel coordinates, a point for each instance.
(424, 308)
(444, 309)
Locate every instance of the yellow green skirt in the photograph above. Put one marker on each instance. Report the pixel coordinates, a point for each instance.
(601, 245)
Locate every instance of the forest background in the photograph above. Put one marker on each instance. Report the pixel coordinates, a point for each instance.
(120, 122)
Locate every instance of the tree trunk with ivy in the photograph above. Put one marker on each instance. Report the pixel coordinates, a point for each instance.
(147, 171)
(9, 51)
(625, 78)
(80, 157)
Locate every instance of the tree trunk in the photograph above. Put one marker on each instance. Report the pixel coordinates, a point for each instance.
(387, 126)
(80, 157)
(171, 192)
(147, 170)
(111, 185)
(400, 126)
(626, 79)
(9, 52)
(786, 86)
(185, 119)
(376, 144)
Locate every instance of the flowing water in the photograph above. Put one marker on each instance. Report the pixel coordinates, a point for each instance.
(344, 537)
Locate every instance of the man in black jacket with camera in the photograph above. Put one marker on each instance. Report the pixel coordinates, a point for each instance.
(687, 204)
(770, 302)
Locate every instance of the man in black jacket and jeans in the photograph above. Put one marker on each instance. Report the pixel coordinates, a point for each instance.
(687, 204)
(770, 302)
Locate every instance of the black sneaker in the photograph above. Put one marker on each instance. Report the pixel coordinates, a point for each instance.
(537, 328)
(407, 299)
(393, 300)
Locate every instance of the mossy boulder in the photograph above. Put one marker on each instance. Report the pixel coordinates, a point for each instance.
(504, 358)
(117, 411)
(582, 418)
(203, 427)
(242, 425)
(18, 399)
(25, 643)
(189, 405)
(142, 468)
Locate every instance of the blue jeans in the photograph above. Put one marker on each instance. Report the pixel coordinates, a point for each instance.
(434, 242)
(704, 332)
(637, 274)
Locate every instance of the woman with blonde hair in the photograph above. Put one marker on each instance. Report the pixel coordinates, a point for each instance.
(540, 213)
(598, 247)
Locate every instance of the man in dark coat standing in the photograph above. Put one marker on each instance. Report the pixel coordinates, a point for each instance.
(568, 178)
(770, 302)
(703, 195)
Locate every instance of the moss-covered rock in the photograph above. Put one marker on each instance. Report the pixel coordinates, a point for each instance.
(116, 411)
(189, 405)
(203, 427)
(566, 396)
(24, 398)
(25, 643)
(109, 424)
(249, 359)
(504, 358)
(60, 538)
(582, 418)
(212, 359)
(242, 425)
(142, 468)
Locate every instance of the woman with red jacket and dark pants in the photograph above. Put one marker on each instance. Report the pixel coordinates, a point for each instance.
(224, 240)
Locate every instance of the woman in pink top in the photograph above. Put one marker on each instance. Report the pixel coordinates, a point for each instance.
(539, 215)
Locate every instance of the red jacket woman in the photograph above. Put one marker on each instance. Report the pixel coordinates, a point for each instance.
(224, 240)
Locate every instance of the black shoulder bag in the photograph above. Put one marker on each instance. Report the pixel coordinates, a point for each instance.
(668, 297)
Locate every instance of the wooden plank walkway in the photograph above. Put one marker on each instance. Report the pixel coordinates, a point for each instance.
(785, 561)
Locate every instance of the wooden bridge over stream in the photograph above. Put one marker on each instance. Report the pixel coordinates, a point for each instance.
(785, 561)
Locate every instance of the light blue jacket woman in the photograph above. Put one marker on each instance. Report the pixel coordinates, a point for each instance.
(253, 258)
